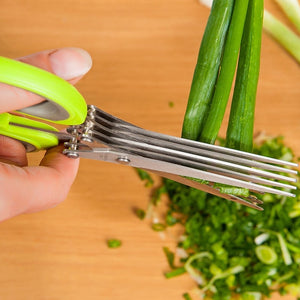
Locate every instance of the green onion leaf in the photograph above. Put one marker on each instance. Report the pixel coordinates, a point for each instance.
(207, 68)
(223, 85)
(292, 9)
(282, 34)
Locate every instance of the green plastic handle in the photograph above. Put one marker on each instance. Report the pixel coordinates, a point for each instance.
(64, 104)
(35, 139)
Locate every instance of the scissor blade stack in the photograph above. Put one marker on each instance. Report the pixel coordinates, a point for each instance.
(217, 164)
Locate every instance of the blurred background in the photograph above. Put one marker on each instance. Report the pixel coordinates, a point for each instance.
(144, 53)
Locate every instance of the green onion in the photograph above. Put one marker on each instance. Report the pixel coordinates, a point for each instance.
(251, 296)
(207, 68)
(284, 277)
(218, 104)
(241, 121)
(283, 247)
(280, 32)
(285, 252)
(293, 289)
(227, 189)
(277, 29)
(189, 268)
(266, 254)
(292, 247)
(261, 238)
(292, 9)
(226, 273)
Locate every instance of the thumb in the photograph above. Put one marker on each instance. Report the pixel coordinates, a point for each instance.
(68, 63)
(31, 189)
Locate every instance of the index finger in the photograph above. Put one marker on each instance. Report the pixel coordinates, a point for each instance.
(68, 63)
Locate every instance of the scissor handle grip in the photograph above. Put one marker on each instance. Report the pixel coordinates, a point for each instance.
(63, 104)
(31, 138)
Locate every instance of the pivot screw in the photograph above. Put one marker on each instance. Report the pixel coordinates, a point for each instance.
(123, 160)
(70, 154)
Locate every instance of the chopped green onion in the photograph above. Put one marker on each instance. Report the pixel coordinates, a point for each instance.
(266, 254)
(158, 227)
(171, 220)
(232, 190)
(114, 243)
(156, 196)
(294, 214)
(175, 272)
(218, 235)
(170, 257)
(189, 268)
(293, 289)
(145, 176)
(261, 238)
(171, 104)
(186, 296)
(283, 247)
(292, 247)
(141, 214)
(251, 296)
(285, 252)
(284, 277)
(226, 273)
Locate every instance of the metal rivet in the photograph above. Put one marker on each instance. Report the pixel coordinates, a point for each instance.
(123, 160)
(86, 138)
(72, 155)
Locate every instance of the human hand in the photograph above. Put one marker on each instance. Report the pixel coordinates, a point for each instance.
(27, 189)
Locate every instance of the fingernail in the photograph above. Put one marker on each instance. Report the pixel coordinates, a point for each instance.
(69, 63)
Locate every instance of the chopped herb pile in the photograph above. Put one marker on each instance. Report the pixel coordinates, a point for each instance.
(232, 250)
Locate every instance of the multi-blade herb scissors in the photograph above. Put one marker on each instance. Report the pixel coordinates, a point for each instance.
(95, 134)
